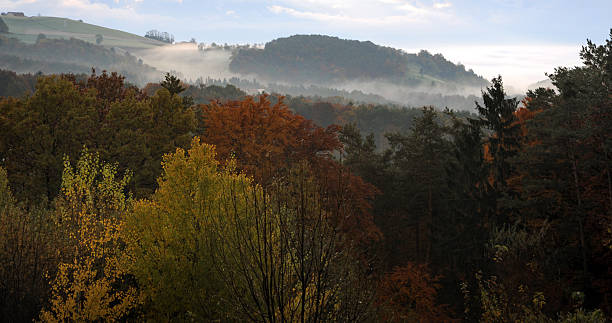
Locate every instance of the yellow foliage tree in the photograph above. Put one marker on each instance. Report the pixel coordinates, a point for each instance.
(169, 239)
(211, 245)
(89, 285)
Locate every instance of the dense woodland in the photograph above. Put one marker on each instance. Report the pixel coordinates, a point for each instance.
(314, 59)
(183, 203)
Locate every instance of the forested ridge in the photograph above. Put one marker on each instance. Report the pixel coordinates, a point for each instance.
(319, 58)
(309, 65)
(72, 55)
(175, 202)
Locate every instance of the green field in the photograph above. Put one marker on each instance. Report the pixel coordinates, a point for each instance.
(27, 29)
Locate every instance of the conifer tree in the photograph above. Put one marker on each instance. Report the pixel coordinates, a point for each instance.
(172, 84)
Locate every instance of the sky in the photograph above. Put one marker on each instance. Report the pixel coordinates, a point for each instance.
(519, 39)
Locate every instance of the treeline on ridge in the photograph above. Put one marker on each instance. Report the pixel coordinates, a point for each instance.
(56, 56)
(317, 58)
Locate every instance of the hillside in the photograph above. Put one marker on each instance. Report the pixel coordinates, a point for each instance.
(55, 56)
(27, 29)
(311, 65)
(317, 58)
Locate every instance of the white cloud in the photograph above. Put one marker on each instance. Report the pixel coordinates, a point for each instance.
(357, 13)
(15, 4)
(442, 5)
(88, 10)
(519, 64)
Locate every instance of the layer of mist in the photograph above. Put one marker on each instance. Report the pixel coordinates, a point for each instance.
(192, 63)
(188, 62)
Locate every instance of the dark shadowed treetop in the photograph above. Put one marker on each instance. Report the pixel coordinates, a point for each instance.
(172, 84)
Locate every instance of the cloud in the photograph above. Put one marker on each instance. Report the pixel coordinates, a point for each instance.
(442, 5)
(519, 64)
(87, 10)
(15, 4)
(358, 13)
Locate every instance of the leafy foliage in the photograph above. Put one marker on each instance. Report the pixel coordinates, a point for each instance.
(88, 284)
(504, 217)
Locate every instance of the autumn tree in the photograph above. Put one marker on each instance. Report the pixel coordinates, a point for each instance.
(27, 253)
(409, 294)
(89, 284)
(564, 171)
(170, 241)
(297, 263)
(267, 140)
(239, 252)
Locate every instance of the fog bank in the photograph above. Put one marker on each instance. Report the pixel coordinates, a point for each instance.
(188, 61)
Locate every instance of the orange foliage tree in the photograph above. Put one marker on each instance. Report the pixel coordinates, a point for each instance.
(267, 140)
(409, 294)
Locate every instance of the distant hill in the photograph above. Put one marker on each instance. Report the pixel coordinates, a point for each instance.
(547, 83)
(317, 58)
(27, 29)
(55, 56)
(311, 65)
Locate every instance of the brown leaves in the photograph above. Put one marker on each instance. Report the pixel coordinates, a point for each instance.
(267, 140)
(410, 293)
(264, 138)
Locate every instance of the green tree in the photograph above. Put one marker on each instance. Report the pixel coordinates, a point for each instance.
(172, 84)
(56, 121)
(417, 161)
(564, 171)
(497, 115)
(170, 239)
(210, 244)
(40, 37)
(124, 138)
(99, 39)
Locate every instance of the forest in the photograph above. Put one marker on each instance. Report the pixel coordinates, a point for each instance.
(323, 59)
(175, 202)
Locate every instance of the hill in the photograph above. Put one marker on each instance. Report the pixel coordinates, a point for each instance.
(547, 84)
(323, 59)
(27, 29)
(55, 56)
(311, 65)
